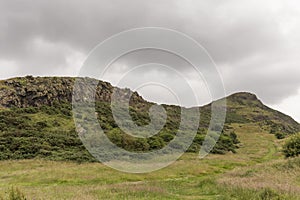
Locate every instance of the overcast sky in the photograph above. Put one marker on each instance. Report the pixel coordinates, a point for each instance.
(255, 44)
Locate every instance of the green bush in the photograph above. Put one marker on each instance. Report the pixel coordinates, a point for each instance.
(292, 147)
(279, 135)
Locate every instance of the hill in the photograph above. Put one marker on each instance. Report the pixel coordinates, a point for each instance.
(36, 120)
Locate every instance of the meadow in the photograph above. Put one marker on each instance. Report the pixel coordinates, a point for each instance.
(257, 171)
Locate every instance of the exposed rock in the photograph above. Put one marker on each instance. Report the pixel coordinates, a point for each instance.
(29, 91)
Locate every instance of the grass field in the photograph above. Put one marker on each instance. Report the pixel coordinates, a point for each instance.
(257, 171)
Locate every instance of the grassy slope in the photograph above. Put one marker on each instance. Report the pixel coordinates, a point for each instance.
(39, 121)
(233, 176)
(215, 177)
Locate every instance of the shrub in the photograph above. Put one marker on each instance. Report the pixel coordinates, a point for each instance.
(234, 137)
(167, 137)
(156, 143)
(279, 135)
(194, 148)
(41, 125)
(292, 147)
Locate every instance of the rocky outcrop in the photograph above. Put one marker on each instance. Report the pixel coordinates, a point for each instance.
(37, 91)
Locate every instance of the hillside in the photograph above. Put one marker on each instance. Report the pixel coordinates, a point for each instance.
(36, 120)
(251, 109)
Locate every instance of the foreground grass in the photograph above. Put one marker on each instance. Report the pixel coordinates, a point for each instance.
(61, 180)
(185, 179)
(254, 172)
(280, 175)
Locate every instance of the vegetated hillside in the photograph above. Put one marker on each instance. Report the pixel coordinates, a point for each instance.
(247, 108)
(36, 120)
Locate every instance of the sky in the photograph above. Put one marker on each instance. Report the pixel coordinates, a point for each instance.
(254, 44)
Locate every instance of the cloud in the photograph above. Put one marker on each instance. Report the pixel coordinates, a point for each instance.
(254, 43)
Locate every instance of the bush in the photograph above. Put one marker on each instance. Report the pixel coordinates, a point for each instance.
(279, 135)
(156, 142)
(234, 137)
(292, 146)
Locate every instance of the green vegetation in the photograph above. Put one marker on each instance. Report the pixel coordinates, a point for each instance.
(42, 156)
(39, 123)
(292, 146)
(44, 132)
(248, 174)
(49, 132)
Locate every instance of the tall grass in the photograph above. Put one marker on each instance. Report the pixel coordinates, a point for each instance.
(14, 193)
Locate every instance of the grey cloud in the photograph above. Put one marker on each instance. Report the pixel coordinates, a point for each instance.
(246, 39)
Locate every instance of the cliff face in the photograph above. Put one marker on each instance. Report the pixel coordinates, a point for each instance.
(29, 91)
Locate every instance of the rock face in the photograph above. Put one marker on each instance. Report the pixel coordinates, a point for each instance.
(29, 91)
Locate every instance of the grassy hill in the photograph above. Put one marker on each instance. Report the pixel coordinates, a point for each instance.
(38, 144)
(36, 120)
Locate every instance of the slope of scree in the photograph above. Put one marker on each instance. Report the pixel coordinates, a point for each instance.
(36, 120)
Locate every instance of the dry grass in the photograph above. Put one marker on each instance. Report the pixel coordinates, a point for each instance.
(267, 175)
(257, 164)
